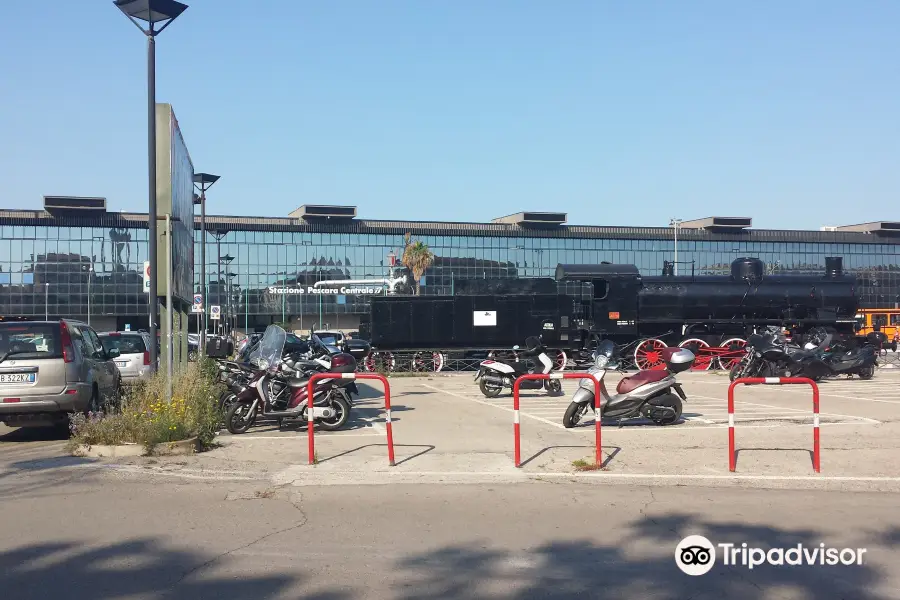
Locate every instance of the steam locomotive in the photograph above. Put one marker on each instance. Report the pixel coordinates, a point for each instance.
(712, 315)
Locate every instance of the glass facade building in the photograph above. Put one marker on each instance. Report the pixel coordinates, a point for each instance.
(70, 265)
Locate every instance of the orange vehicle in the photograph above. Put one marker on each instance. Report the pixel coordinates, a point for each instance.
(886, 319)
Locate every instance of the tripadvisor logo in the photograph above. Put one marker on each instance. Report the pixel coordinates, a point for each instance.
(696, 555)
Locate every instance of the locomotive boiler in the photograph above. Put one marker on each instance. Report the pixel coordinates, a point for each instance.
(712, 315)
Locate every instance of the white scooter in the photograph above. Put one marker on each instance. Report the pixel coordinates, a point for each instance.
(496, 375)
(655, 395)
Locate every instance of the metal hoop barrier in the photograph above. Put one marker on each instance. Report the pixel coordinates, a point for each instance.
(537, 376)
(732, 459)
(387, 407)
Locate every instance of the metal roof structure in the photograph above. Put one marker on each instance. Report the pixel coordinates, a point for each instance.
(224, 223)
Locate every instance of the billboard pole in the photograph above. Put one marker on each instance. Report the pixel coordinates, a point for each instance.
(170, 358)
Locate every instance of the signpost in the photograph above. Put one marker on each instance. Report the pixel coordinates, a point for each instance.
(215, 313)
(198, 303)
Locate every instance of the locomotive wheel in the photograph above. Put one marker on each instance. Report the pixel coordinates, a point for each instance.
(701, 353)
(423, 361)
(734, 345)
(648, 355)
(384, 360)
(562, 360)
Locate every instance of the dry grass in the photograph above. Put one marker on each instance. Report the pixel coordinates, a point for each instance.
(144, 416)
(583, 465)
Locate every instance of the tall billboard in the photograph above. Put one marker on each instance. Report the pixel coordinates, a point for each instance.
(175, 197)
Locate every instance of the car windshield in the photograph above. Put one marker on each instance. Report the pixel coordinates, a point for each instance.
(329, 339)
(124, 343)
(30, 340)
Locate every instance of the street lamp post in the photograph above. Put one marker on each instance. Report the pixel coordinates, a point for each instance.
(90, 274)
(226, 260)
(674, 223)
(152, 12)
(229, 329)
(203, 181)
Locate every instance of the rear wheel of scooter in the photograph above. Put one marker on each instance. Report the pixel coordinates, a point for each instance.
(867, 372)
(341, 416)
(239, 418)
(490, 390)
(668, 401)
(573, 415)
(554, 387)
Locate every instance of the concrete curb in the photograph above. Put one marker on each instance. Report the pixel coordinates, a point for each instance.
(180, 448)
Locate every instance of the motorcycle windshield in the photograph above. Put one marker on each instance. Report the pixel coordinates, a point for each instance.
(267, 354)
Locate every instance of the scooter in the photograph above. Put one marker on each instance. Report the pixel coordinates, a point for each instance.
(276, 392)
(655, 395)
(494, 375)
(859, 361)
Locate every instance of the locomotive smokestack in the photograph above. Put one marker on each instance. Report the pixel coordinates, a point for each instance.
(747, 269)
(834, 266)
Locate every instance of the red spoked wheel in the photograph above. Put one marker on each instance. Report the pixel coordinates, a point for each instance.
(379, 360)
(734, 352)
(562, 360)
(703, 357)
(425, 361)
(648, 355)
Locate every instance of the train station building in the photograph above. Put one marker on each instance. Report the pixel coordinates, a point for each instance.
(319, 265)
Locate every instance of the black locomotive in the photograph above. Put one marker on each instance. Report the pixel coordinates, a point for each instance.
(713, 315)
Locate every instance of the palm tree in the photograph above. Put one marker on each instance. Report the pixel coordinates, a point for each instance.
(417, 257)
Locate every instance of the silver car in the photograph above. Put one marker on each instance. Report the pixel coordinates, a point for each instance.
(133, 360)
(49, 369)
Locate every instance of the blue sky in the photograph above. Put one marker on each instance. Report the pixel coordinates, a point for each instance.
(618, 113)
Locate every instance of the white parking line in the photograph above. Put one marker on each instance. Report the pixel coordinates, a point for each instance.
(500, 406)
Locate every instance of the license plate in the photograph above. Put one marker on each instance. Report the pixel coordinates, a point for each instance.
(121, 363)
(17, 378)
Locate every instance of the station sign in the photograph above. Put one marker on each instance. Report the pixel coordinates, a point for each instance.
(348, 290)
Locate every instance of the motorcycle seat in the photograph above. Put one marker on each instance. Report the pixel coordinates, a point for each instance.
(297, 382)
(629, 384)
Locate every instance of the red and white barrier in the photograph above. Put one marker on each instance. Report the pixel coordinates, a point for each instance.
(387, 407)
(732, 459)
(539, 376)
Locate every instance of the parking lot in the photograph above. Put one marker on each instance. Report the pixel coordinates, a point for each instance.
(444, 428)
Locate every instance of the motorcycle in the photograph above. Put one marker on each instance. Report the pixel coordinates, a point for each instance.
(494, 375)
(655, 395)
(769, 354)
(837, 360)
(279, 391)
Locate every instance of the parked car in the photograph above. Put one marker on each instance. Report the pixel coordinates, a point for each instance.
(50, 369)
(347, 343)
(133, 360)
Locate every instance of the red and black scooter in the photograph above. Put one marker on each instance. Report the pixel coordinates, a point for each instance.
(279, 391)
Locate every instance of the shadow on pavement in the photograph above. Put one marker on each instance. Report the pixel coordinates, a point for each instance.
(427, 449)
(36, 434)
(606, 461)
(640, 566)
(582, 569)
